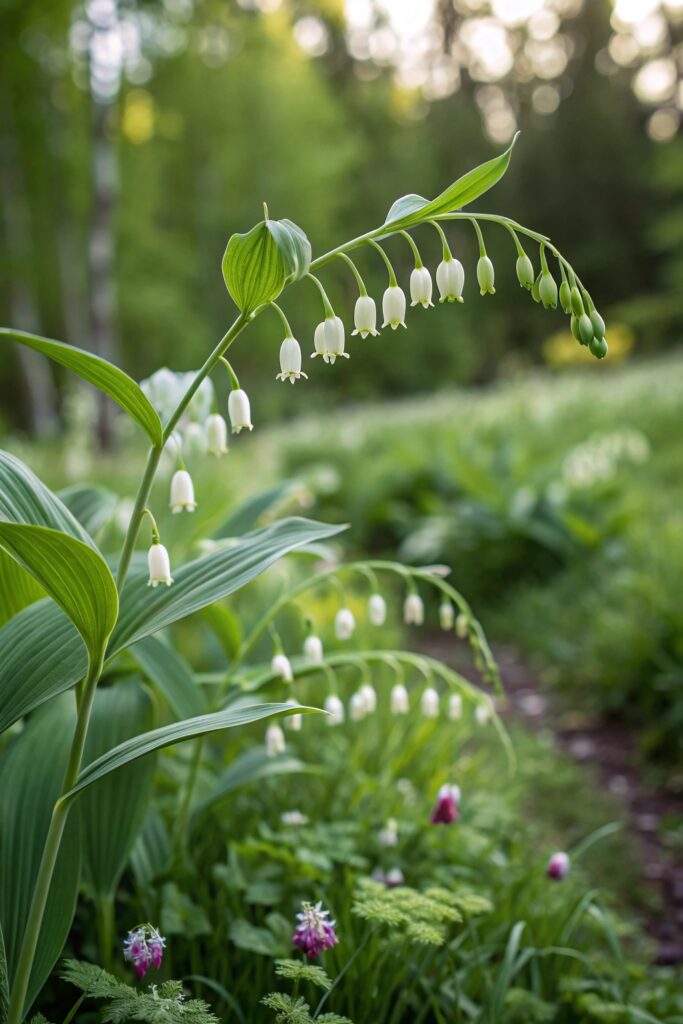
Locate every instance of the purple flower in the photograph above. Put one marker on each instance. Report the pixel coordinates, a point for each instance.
(446, 810)
(558, 866)
(314, 933)
(143, 947)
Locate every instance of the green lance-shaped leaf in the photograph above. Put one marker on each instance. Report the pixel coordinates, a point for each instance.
(139, 746)
(31, 772)
(412, 209)
(113, 810)
(17, 589)
(294, 247)
(4, 981)
(105, 376)
(253, 765)
(92, 505)
(25, 499)
(172, 675)
(254, 268)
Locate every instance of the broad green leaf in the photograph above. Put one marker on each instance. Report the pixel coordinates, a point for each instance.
(113, 810)
(73, 575)
(25, 499)
(226, 626)
(246, 515)
(4, 982)
(17, 588)
(172, 675)
(139, 746)
(31, 772)
(412, 209)
(42, 655)
(252, 766)
(92, 505)
(200, 583)
(254, 268)
(294, 247)
(105, 376)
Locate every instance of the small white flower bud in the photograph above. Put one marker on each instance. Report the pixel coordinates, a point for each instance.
(290, 361)
(294, 722)
(319, 341)
(482, 714)
(182, 492)
(485, 275)
(399, 700)
(275, 741)
(334, 339)
(313, 650)
(344, 624)
(421, 287)
(369, 695)
(429, 703)
(461, 626)
(216, 435)
(357, 708)
(446, 615)
(159, 566)
(455, 707)
(394, 307)
(388, 836)
(281, 666)
(335, 710)
(394, 878)
(377, 610)
(450, 280)
(413, 610)
(365, 316)
(239, 411)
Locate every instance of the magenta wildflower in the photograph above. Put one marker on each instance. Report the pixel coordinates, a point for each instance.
(558, 866)
(143, 947)
(446, 810)
(314, 933)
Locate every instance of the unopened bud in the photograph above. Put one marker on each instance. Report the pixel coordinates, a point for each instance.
(525, 272)
(566, 297)
(585, 329)
(576, 301)
(598, 324)
(598, 346)
(547, 290)
(485, 276)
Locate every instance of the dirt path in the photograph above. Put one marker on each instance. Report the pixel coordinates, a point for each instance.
(612, 750)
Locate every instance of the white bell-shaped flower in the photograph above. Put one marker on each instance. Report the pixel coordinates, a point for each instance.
(313, 650)
(413, 610)
(159, 565)
(365, 316)
(429, 703)
(486, 276)
(482, 714)
(282, 667)
(450, 280)
(335, 710)
(194, 439)
(344, 624)
(446, 615)
(334, 339)
(377, 610)
(455, 707)
(319, 341)
(294, 722)
(399, 703)
(461, 629)
(239, 411)
(357, 707)
(290, 361)
(275, 741)
(216, 435)
(421, 287)
(394, 307)
(369, 695)
(182, 492)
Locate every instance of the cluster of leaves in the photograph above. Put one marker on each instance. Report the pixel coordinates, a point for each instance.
(294, 1009)
(419, 917)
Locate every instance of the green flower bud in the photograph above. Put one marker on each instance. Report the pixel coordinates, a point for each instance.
(485, 275)
(525, 271)
(574, 323)
(547, 290)
(576, 301)
(598, 324)
(535, 289)
(585, 329)
(566, 297)
(598, 347)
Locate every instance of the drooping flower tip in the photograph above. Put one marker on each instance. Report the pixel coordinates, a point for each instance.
(455, 707)
(239, 411)
(547, 290)
(216, 435)
(369, 696)
(394, 878)
(558, 866)
(365, 317)
(447, 808)
(486, 276)
(335, 710)
(357, 707)
(394, 307)
(314, 932)
(446, 615)
(313, 649)
(282, 667)
(159, 566)
(482, 714)
(290, 361)
(399, 703)
(275, 741)
(429, 703)
(413, 610)
(344, 624)
(525, 272)
(421, 287)
(144, 948)
(377, 610)
(461, 627)
(334, 340)
(450, 280)
(182, 492)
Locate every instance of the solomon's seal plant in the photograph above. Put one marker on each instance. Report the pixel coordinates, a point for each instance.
(68, 627)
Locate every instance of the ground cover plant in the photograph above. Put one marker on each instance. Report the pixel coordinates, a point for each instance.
(90, 711)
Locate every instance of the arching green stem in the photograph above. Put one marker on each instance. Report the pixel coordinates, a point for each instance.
(413, 246)
(387, 262)
(356, 273)
(447, 254)
(327, 305)
(283, 318)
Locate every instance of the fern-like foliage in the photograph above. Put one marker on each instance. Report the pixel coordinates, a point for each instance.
(297, 970)
(289, 1010)
(419, 917)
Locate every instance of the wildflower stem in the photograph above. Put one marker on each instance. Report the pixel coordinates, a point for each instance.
(356, 273)
(327, 305)
(283, 318)
(413, 246)
(480, 237)
(234, 382)
(447, 254)
(392, 276)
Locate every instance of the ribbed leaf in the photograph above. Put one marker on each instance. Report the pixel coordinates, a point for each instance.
(209, 579)
(25, 499)
(17, 589)
(105, 376)
(42, 655)
(173, 676)
(412, 209)
(246, 515)
(254, 269)
(167, 735)
(31, 773)
(294, 247)
(4, 982)
(93, 506)
(73, 575)
(252, 766)
(113, 810)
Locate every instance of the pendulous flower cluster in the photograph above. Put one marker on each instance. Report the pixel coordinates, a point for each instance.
(314, 932)
(144, 948)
